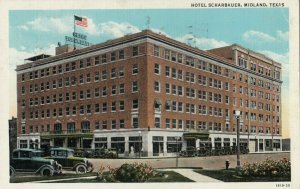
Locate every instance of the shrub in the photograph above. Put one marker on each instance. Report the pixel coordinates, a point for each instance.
(269, 168)
(126, 173)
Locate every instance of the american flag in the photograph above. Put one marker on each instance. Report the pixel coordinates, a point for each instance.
(80, 21)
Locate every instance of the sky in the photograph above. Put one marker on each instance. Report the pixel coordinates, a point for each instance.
(266, 31)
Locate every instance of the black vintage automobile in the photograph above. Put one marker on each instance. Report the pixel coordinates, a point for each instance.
(30, 161)
(65, 156)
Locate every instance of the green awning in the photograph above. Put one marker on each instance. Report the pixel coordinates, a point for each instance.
(194, 135)
(85, 135)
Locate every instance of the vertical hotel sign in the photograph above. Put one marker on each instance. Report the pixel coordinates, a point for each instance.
(77, 37)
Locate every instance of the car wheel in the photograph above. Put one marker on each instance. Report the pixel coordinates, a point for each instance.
(11, 172)
(80, 169)
(46, 172)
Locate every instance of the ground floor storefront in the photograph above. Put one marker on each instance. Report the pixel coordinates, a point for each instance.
(155, 143)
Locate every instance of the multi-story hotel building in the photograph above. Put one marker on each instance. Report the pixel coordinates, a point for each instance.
(148, 93)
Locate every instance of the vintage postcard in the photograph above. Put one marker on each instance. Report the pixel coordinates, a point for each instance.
(154, 94)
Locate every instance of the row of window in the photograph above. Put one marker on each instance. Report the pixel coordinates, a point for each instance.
(200, 64)
(83, 109)
(84, 63)
(266, 71)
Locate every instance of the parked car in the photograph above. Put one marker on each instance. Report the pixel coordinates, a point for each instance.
(30, 161)
(65, 156)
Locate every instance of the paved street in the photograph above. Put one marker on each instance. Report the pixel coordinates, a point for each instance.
(211, 162)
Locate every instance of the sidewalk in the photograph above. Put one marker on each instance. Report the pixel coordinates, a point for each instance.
(189, 173)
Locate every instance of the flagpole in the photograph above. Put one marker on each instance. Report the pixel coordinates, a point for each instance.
(74, 32)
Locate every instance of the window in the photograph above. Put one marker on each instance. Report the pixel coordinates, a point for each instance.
(174, 91)
(121, 54)
(122, 88)
(135, 104)
(168, 91)
(74, 95)
(81, 111)
(167, 54)
(112, 56)
(60, 83)
(60, 69)
(180, 106)
(156, 50)
(168, 123)
(134, 86)
(121, 105)
(174, 73)
(104, 92)
(173, 56)
(167, 71)
(122, 123)
(135, 69)
(67, 81)
(157, 122)
(81, 79)
(135, 51)
(54, 84)
(97, 58)
(104, 76)
(88, 77)
(179, 75)
(113, 90)
(180, 90)
(113, 124)
(97, 108)
(174, 106)
(113, 106)
(88, 93)
(104, 107)
(113, 73)
(88, 109)
(135, 122)
(179, 58)
(23, 89)
(96, 76)
(156, 86)
(121, 72)
(103, 58)
(157, 69)
(81, 95)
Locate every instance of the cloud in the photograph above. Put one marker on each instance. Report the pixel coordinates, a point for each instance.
(16, 57)
(23, 27)
(202, 42)
(282, 58)
(253, 36)
(51, 24)
(114, 29)
(283, 35)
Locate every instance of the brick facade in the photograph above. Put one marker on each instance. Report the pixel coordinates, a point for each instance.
(179, 88)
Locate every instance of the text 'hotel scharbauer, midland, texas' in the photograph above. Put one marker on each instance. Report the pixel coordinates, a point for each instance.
(147, 92)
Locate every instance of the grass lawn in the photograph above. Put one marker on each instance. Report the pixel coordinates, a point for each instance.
(169, 176)
(29, 178)
(231, 176)
(162, 176)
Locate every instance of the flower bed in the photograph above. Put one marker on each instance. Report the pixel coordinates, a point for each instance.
(268, 168)
(137, 172)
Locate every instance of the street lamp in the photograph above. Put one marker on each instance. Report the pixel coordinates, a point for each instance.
(140, 144)
(238, 163)
(177, 138)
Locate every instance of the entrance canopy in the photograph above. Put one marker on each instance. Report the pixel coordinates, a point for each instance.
(195, 135)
